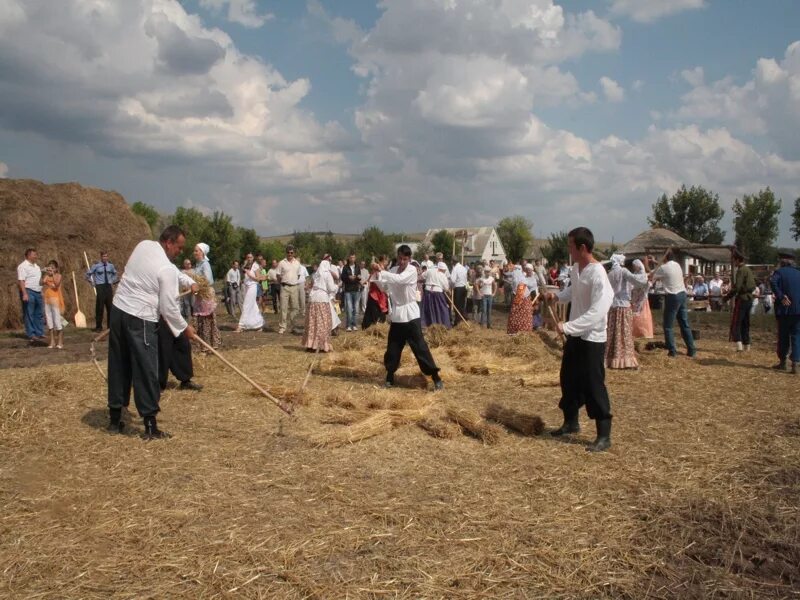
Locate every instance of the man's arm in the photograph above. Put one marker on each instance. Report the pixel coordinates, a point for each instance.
(168, 301)
(407, 276)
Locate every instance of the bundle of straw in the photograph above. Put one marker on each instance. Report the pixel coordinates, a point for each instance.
(520, 422)
(376, 424)
(445, 430)
(437, 335)
(378, 330)
(472, 423)
(341, 399)
(205, 291)
(417, 381)
(295, 396)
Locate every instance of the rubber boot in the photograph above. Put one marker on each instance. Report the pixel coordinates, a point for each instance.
(603, 441)
(781, 366)
(739, 347)
(115, 424)
(570, 425)
(794, 368)
(151, 430)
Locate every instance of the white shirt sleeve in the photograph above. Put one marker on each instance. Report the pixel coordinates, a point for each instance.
(167, 300)
(565, 295)
(407, 276)
(184, 280)
(598, 310)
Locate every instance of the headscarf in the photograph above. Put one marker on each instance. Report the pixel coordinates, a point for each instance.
(204, 248)
(441, 267)
(324, 267)
(617, 260)
(638, 293)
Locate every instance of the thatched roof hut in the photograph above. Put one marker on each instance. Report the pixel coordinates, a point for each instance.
(693, 257)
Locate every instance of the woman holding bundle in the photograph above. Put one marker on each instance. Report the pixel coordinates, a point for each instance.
(53, 305)
(205, 303)
(251, 317)
(521, 316)
(319, 312)
(435, 308)
(620, 353)
(640, 305)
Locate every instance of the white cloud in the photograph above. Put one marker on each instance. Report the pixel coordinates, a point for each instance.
(145, 79)
(243, 12)
(693, 77)
(648, 11)
(612, 90)
(3, 170)
(768, 104)
(638, 85)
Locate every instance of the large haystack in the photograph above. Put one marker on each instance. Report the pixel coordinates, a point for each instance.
(61, 221)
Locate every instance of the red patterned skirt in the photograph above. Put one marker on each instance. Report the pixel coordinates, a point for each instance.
(319, 323)
(521, 316)
(207, 330)
(620, 353)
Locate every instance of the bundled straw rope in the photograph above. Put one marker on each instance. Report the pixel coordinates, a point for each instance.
(475, 425)
(520, 422)
(446, 430)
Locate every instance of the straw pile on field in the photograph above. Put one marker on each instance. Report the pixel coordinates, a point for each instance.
(61, 221)
(698, 497)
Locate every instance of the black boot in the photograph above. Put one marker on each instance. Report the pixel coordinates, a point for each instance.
(151, 430)
(603, 441)
(115, 425)
(781, 366)
(570, 425)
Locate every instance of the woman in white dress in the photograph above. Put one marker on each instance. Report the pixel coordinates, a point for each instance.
(251, 317)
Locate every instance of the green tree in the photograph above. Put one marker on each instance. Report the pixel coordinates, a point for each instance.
(693, 214)
(796, 220)
(372, 243)
(557, 248)
(149, 214)
(307, 245)
(273, 250)
(225, 243)
(197, 227)
(423, 248)
(515, 234)
(756, 225)
(331, 245)
(248, 242)
(443, 242)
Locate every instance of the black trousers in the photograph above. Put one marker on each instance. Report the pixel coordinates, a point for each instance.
(275, 294)
(105, 294)
(411, 333)
(583, 379)
(174, 354)
(740, 332)
(460, 302)
(133, 362)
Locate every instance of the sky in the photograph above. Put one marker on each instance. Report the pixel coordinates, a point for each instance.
(294, 115)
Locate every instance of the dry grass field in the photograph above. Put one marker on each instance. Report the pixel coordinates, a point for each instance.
(697, 498)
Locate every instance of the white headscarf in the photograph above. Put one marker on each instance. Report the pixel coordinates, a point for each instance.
(204, 248)
(638, 266)
(441, 266)
(617, 260)
(324, 267)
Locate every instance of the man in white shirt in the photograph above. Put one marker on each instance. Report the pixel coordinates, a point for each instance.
(458, 280)
(289, 278)
(364, 279)
(671, 276)
(715, 293)
(583, 363)
(148, 289)
(29, 281)
(401, 287)
(233, 282)
(302, 277)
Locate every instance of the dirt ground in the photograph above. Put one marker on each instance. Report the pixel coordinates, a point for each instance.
(698, 496)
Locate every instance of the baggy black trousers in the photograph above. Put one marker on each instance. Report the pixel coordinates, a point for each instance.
(133, 362)
(583, 379)
(411, 333)
(174, 354)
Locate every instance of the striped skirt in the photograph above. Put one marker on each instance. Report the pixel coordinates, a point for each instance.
(317, 335)
(620, 353)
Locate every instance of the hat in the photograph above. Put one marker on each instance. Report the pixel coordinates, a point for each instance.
(529, 267)
(786, 256)
(204, 248)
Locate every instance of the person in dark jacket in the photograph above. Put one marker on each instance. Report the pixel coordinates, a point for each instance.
(785, 284)
(741, 292)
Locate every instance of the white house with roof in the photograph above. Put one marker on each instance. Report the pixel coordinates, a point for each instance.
(480, 243)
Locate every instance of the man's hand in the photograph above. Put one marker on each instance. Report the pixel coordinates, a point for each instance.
(24, 296)
(560, 327)
(195, 288)
(190, 332)
(786, 301)
(376, 267)
(550, 297)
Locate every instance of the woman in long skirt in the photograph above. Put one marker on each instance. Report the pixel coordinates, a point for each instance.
(435, 308)
(317, 334)
(642, 317)
(377, 304)
(620, 352)
(521, 316)
(251, 317)
(205, 307)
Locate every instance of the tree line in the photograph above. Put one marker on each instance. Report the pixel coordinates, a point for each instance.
(693, 213)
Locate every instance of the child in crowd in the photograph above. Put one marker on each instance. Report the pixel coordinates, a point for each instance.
(53, 304)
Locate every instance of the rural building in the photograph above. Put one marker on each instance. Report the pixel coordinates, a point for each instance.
(480, 243)
(703, 259)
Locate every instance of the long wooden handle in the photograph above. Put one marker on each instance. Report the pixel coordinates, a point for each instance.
(458, 312)
(75, 287)
(310, 369)
(86, 258)
(556, 321)
(287, 408)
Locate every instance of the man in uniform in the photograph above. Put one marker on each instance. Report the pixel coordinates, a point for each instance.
(785, 284)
